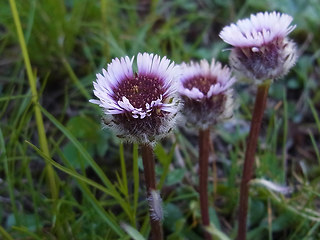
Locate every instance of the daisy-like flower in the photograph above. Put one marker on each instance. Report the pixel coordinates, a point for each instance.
(261, 47)
(205, 90)
(140, 106)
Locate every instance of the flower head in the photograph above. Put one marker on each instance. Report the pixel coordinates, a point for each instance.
(140, 106)
(261, 47)
(205, 90)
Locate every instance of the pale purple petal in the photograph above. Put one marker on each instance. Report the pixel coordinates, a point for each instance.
(204, 69)
(121, 69)
(259, 29)
(214, 90)
(94, 101)
(194, 93)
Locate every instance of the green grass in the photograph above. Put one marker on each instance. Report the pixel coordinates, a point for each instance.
(50, 133)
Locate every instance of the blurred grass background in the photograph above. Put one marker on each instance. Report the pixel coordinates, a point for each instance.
(68, 42)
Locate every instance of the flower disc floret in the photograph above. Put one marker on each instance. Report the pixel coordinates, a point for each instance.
(140, 106)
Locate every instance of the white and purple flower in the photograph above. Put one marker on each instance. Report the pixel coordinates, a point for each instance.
(261, 47)
(206, 92)
(140, 106)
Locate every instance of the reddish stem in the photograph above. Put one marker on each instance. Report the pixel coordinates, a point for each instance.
(214, 171)
(259, 107)
(150, 181)
(204, 137)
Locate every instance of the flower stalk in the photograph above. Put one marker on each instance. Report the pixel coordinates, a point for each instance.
(261, 51)
(259, 107)
(150, 181)
(142, 107)
(204, 139)
(205, 88)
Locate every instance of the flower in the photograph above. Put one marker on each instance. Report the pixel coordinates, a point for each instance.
(205, 90)
(140, 106)
(261, 47)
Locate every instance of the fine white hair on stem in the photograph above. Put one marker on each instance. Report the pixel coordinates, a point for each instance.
(155, 205)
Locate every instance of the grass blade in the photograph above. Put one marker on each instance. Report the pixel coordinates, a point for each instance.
(4, 161)
(32, 82)
(75, 79)
(166, 160)
(70, 172)
(27, 232)
(125, 206)
(135, 157)
(123, 170)
(314, 144)
(132, 232)
(285, 136)
(5, 235)
(85, 189)
(315, 114)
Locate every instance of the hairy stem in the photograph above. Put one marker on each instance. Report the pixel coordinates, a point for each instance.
(204, 137)
(150, 180)
(259, 107)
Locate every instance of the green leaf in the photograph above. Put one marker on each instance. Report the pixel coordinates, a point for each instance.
(161, 154)
(315, 114)
(27, 232)
(74, 157)
(87, 193)
(5, 235)
(29, 221)
(285, 220)
(214, 218)
(219, 235)
(132, 232)
(172, 215)
(257, 211)
(175, 176)
(89, 135)
(71, 172)
(125, 206)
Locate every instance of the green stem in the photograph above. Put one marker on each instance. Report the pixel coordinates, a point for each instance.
(285, 137)
(105, 5)
(135, 181)
(123, 170)
(259, 107)
(5, 234)
(32, 82)
(150, 180)
(75, 79)
(204, 139)
(9, 178)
